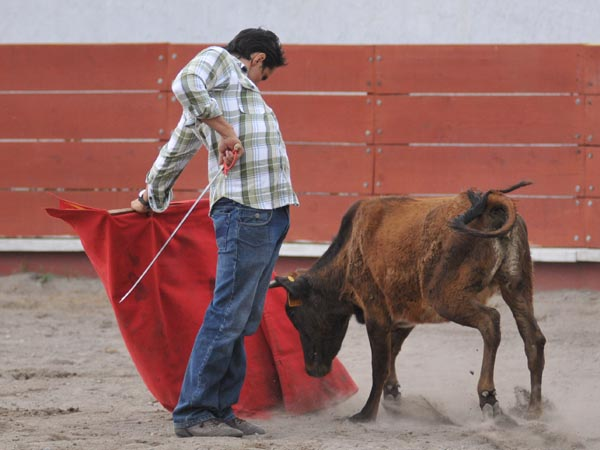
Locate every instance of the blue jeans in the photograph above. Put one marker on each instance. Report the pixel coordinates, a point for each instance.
(248, 240)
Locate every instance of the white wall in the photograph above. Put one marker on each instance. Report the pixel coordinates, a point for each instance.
(302, 21)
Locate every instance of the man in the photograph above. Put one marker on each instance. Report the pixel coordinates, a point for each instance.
(224, 110)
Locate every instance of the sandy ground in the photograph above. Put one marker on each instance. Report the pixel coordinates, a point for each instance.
(66, 382)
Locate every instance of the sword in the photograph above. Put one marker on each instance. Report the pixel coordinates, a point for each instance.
(224, 169)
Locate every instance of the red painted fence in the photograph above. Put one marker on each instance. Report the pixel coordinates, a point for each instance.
(86, 121)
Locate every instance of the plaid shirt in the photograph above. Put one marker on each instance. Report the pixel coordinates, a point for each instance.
(214, 83)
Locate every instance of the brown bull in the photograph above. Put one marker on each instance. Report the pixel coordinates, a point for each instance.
(397, 262)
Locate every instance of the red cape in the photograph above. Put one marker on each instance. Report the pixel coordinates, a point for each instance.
(161, 317)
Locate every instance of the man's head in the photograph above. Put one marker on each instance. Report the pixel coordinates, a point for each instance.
(259, 50)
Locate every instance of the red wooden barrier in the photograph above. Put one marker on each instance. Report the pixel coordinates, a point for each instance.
(86, 121)
(88, 165)
(479, 68)
(323, 68)
(479, 119)
(83, 67)
(83, 116)
(555, 171)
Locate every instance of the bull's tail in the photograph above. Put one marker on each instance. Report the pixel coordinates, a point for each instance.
(480, 203)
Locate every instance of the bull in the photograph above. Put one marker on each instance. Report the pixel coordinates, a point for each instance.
(397, 262)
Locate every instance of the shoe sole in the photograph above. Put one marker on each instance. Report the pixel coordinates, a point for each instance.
(184, 433)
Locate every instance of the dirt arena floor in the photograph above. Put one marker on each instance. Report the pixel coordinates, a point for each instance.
(67, 382)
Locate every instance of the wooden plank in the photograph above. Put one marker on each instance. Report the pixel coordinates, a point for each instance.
(180, 55)
(477, 68)
(448, 170)
(77, 116)
(553, 222)
(592, 171)
(84, 67)
(325, 68)
(592, 119)
(324, 118)
(590, 79)
(25, 216)
(314, 118)
(89, 165)
(318, 217)
(479, 119)
(23, 213)
(331, 169)
(592, 223)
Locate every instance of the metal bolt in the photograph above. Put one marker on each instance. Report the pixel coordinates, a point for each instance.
(379, 58)
(575, 238)
(161, 57)
(590, 138)
(368, 101)
(590, 203)
(591, 187)
(379, 131)
(379, 150)
(161, 131)
(577, 101)
(590, 155)
(365, 184)
(368, 150)
(379, 102)
(173, 99)
(577, 188)
(577, 202)
(577, 135)
(368, 132)
(378, 184)
(160, 80)
(174, 56)
(160, 96)
(588, 238)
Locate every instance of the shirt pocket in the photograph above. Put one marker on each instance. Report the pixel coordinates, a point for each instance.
(249, 99)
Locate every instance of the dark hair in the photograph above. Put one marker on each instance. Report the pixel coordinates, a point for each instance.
(252, 40)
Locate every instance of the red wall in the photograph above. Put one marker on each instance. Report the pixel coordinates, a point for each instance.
(86, 121)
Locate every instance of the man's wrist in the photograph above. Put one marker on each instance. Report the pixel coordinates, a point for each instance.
(142, 200)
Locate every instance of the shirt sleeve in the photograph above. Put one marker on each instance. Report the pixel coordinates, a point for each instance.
(209, 70)
(171, 161)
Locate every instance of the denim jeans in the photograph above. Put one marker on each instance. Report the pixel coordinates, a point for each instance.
(248, 241)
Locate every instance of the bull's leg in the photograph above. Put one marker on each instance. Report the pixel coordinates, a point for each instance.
(518, 296)
(487, 320)
(391, 388)
(380, 340)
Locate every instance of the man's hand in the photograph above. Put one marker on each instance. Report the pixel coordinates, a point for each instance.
(229, 142)
(227, 147)
(138, 206)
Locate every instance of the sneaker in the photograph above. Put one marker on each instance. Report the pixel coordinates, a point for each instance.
(245, 427)
(209, 428)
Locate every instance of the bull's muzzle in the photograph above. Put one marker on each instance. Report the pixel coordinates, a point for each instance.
(318, 370)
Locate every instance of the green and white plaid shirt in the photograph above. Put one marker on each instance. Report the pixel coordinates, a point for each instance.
(214, 83)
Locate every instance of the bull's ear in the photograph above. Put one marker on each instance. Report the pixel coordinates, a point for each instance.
(296, 287)
(284, 282)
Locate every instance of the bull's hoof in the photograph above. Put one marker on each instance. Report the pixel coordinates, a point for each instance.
(490, 412)
(361, 418)
(493, 413)
(533, 413)
(391, 392)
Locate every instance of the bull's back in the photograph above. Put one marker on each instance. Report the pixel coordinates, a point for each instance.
(388, 235)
